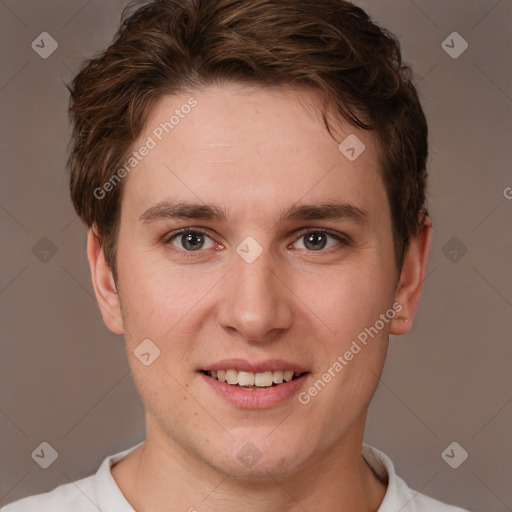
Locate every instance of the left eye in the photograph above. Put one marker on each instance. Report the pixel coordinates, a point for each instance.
(317, 239)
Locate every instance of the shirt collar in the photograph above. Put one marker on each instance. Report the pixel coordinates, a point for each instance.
(110, 498)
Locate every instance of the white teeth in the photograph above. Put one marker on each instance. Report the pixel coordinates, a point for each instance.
(277, 377)
(232, 376)
(246, 379)
(261, 379)
(288, 375)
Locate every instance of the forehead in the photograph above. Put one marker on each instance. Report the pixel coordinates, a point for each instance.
(253, 150)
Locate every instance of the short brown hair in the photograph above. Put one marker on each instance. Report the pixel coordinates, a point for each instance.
(166, 47)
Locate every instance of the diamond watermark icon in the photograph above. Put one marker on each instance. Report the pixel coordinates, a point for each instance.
(454, 250)
(45, 455)
(44, 45)
(351, 147)
(146, 352)
(454, 45)
(249, 249)
(44, 250)
(249, 455)
(454, 455)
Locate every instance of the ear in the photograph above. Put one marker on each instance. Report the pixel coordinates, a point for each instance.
(104, 285)
(412, 278)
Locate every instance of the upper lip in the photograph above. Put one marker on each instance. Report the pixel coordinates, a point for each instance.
(244, 365)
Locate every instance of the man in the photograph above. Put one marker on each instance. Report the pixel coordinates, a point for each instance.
(252, 176)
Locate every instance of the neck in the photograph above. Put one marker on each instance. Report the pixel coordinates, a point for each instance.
(161, 472)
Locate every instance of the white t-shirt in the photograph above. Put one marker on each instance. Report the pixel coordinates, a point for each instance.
(100, 492)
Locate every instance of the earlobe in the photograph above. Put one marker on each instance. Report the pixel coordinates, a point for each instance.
(104, 285)
(412, 278)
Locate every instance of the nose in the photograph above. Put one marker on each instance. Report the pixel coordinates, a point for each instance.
(257, 303)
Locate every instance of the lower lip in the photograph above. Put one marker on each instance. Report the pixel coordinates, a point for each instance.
(258, 398)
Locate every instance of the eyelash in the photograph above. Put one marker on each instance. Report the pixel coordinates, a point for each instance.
(345, 240)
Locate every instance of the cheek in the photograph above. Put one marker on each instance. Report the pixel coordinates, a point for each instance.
(349, 299)
(153, 299)
(351, 304)
(163, 306)
(354, 350)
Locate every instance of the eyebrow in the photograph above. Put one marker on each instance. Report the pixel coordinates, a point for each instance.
(330, 210)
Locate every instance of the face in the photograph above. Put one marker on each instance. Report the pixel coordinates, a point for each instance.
(247, 235)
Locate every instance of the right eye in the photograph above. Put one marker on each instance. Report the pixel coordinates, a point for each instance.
(190, 239)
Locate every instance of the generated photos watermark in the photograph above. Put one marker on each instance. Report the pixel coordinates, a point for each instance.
(149, 144)
(355, 348)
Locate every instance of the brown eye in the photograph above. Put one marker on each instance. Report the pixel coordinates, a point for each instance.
(315, 241)
(192, 241)
(318, 239)
(189, 240)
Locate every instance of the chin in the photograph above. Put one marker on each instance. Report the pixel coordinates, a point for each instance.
(265, 470)
(260, 457)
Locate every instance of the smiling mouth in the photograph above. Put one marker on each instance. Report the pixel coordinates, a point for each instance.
(254, 381)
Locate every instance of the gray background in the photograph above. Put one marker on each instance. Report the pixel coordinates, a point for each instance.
(64, 377)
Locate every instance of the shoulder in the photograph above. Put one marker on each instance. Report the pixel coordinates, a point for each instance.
(77, 496)
(398, 495)
(90, 494)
